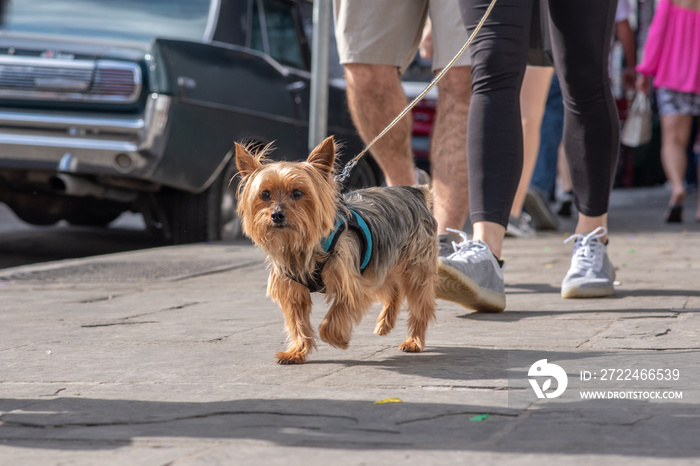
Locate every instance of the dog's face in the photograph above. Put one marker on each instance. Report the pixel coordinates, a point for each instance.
(287, 206)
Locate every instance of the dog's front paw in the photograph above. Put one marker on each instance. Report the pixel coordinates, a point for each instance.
(333, 336)
(411, 346)
(290, 357)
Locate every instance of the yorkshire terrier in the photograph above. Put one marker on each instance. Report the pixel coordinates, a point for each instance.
(374, 244)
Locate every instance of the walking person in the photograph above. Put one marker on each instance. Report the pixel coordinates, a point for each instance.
(581, 33)
(672, 56)
(551, 161)
(533, 97)
(377, 40)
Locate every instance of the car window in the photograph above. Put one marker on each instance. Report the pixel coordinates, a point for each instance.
(275, 33)
(121, 19)
(335, 69)
(257, 38)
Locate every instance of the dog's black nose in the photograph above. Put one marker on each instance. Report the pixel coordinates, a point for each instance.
(278, 217)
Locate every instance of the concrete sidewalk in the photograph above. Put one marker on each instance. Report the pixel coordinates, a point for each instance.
(166, 356)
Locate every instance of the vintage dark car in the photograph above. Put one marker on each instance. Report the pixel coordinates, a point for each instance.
(134, 105)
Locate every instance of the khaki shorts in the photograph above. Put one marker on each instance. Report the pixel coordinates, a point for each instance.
(388, 32)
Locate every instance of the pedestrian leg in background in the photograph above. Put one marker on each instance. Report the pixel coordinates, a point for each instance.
(448, 164)
(565, 194)
(375, 97)
(533, 98)
(545, 173)
(551, 162)
(675, 131)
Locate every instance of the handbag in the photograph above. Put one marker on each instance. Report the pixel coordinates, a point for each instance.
(540, 49)
(637, 128)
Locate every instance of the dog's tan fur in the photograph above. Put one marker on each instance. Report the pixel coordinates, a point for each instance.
(403, 265)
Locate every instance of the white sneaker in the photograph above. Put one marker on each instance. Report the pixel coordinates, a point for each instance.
(520, 226)
(471, 276)
(591, 274)
(537, 206)
(422, 177)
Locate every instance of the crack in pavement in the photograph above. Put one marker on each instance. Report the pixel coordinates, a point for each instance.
(123, 320)
(464, 387)
(13, 347)
(226, 337)
(173, 308)
(55, 393)
(672, 315)
(597, 335)
(341, 369)
(100, 299)
(163, 421)
(112, 324)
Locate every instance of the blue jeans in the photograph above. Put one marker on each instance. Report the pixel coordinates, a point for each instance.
(545, 174)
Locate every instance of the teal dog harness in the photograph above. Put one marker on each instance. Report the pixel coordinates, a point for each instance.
(355, 223)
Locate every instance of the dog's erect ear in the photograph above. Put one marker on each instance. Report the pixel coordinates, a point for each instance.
(323, 156)
(245, 161)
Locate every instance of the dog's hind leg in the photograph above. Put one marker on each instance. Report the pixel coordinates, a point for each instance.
(419, 284)
(390, 311)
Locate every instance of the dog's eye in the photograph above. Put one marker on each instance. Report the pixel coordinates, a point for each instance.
(265, 195)
(296, 194)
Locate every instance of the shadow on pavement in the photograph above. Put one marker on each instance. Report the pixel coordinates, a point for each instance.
(632, 428)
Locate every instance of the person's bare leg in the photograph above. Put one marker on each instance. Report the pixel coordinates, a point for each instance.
(492, 234)
(533, 97)
(375, 98)
(586, 224)
(675, 135)
(563, 171)
(697, 210)
(448, 164)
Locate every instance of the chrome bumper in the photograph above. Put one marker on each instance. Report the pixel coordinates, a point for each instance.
(72, 143)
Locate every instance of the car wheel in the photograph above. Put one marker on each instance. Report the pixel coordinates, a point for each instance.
(91, 219)
(90, 212)
(229, 224)
(37, 217)
(37, 208)
(206, 216)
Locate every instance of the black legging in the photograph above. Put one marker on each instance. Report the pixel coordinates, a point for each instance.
(581, 36)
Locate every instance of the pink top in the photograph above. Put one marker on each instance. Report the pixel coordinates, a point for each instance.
(672, 48)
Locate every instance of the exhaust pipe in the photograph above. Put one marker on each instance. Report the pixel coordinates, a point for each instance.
(72, 185)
